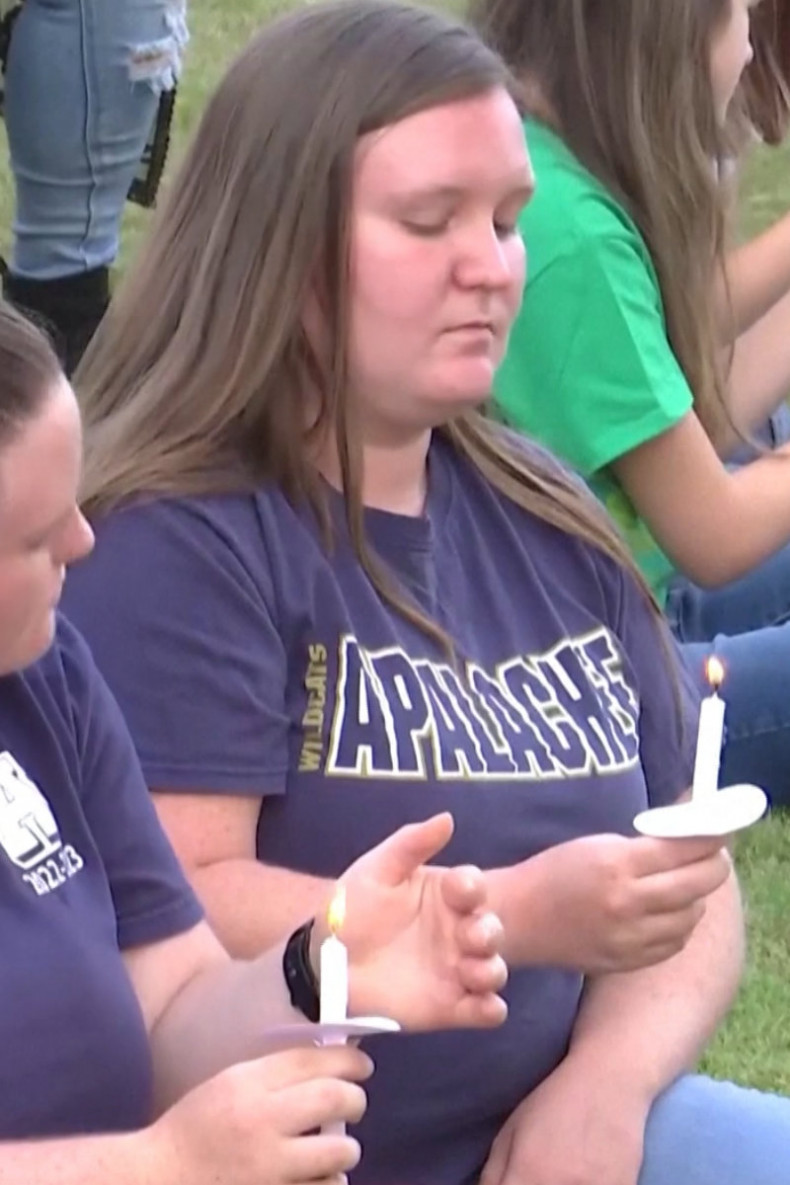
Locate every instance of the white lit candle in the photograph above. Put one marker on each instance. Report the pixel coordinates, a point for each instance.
(333, 976)
(333, 982)
(709, 738)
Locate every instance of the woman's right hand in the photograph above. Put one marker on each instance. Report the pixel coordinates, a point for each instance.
(249, 1125)
(607, 903)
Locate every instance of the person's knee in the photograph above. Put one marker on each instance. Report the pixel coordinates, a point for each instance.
(157, 61)
(703, 1132)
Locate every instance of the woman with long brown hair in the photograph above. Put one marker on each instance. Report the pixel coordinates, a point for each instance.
(331, 597)
(647, 349)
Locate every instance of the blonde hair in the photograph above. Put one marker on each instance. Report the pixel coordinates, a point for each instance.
(197, 380)
(628, 84)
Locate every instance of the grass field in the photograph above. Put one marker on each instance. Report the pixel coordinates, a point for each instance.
(754, 1047)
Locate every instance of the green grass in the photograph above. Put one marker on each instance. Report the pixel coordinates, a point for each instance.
(754, 1046)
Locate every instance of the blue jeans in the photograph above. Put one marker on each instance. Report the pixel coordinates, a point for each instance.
(747, 625)
(82, 88)
(702, 1132)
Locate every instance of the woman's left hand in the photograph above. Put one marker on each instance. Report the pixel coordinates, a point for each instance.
(423, 947)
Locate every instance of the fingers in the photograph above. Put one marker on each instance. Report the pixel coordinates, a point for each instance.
(479, 937)
(479, 934)
(293, 1067)
(677, 889)
(464, 888)
(310, 1105)
(479, 1012)
(673, 932)
(668, 936)
(402, 853)
(321, 1159)
(661, 855)
(482, 976)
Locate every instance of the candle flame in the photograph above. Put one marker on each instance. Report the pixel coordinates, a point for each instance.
(714, 672)
(336, 914)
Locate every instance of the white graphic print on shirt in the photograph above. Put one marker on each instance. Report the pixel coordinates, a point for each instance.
(29, 833)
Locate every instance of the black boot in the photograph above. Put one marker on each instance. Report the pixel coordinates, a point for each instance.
(69, 309)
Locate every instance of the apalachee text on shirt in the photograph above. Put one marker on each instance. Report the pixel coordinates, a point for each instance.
(566, 712)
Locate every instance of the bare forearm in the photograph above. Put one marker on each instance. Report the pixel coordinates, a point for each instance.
(649, 1026)
(760, 374)
(222, 1017)
(758, 274)
(753, 522)
(715, 525)
(252, 906)
(85, 1160)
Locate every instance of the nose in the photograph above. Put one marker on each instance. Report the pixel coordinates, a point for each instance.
(489, 261)
(80, 539)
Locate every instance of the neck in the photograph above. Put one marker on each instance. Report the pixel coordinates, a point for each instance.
(394, 475)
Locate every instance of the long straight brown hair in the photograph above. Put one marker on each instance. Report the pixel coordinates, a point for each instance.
(197, 380)
(628, 86)
(766, 84)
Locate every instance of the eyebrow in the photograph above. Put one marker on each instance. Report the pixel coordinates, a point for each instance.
(519, 189)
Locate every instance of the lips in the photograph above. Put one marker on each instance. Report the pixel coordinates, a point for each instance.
(471, 325)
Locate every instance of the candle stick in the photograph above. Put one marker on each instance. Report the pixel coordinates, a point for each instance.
(334, 965)
(334, 982)
(709, 737)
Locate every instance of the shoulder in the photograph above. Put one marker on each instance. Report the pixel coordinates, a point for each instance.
(526, 465)
(245, 525)
(572, 214)
(570, 541)
(152, 523)
(158, 551)
(45, 709)
(553, 514)
(565, 186)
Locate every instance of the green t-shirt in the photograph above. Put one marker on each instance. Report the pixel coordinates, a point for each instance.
(589, 370)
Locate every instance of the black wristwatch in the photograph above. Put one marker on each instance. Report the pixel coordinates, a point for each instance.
(299, 974)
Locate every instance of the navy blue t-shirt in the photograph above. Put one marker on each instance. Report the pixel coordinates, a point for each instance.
(250, 661)
(85, 871)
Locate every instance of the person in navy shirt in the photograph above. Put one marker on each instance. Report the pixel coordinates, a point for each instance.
(117, 1000)
(332, 599)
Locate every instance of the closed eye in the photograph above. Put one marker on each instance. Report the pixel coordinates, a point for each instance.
(427, 230)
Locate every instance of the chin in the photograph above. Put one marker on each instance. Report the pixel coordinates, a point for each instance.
(450, 392)
(32, 647)
(470, 384)
(455, 402)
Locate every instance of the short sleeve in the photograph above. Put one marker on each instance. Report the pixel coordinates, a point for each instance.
(589, 369)
(152, 898)
(183, 633)
(669, 699)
